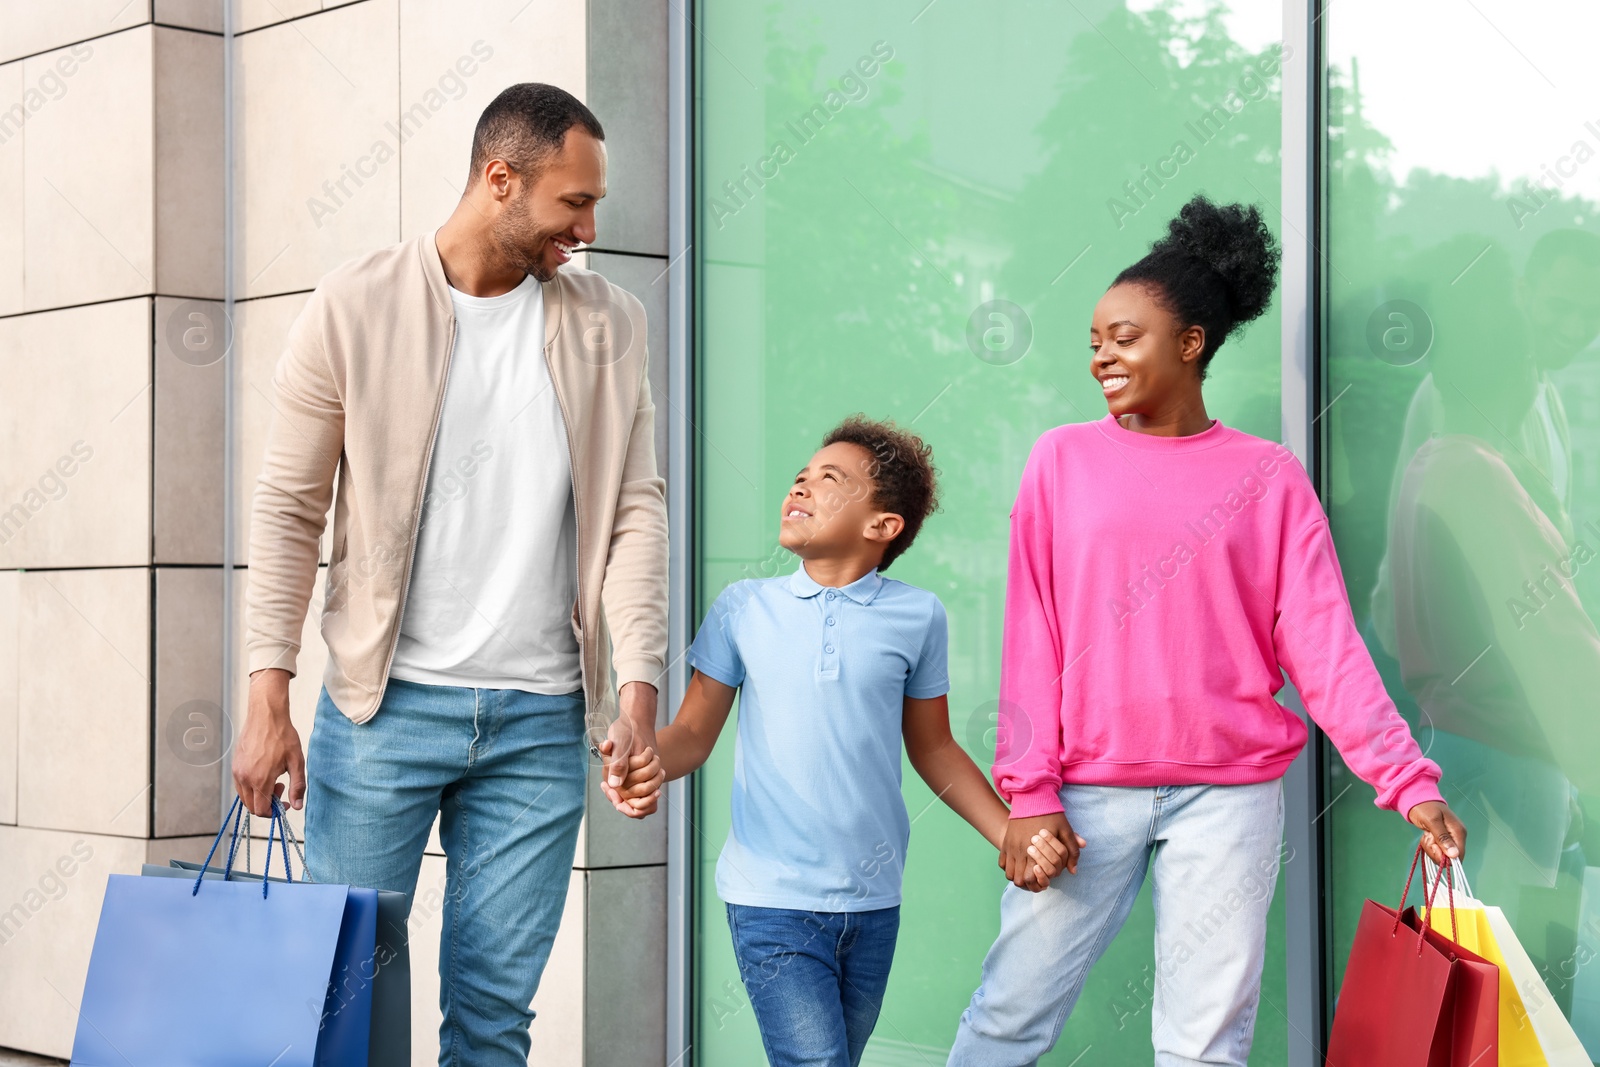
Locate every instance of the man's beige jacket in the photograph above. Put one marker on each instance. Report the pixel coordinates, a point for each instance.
(358, 394)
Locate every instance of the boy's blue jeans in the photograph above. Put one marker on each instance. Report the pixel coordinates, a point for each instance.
(1212, 853)
(815, 979)
(507, 771)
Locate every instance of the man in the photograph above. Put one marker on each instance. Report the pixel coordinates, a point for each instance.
(499, 549)
(1558, 300)
(1483, 564)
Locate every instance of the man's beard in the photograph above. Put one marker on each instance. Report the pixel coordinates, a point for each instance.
(521, 242)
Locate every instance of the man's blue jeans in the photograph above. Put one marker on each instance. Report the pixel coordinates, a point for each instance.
(815, 979)
(507, 771)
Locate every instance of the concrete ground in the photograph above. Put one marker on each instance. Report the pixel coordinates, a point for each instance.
(8, 1058)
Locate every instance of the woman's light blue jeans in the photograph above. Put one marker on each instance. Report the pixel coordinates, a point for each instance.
(507, 771)
(1212, 853)
(815, 979)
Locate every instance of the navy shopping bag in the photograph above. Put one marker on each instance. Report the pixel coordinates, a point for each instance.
(389, 1041)
(226, 974)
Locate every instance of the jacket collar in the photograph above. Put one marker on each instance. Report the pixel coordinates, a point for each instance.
(439, 286)
(862, 590)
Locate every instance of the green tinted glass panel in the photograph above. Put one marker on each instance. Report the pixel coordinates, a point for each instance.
(911, 214)
(1463, 447)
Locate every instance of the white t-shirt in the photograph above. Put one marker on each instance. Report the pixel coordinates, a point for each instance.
(496, 569)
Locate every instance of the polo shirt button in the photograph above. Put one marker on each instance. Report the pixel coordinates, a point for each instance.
(827, 648)
(832, 595)
(830, 620)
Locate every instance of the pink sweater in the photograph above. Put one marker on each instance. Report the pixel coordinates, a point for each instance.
(1156, 587)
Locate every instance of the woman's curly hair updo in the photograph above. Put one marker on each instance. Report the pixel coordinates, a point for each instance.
(1216, 269)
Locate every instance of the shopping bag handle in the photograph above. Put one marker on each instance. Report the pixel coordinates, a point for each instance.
(278, 819)
(288, 833)
(234, 813)
(1444, 876)
(1447, 876)
(1456, 868)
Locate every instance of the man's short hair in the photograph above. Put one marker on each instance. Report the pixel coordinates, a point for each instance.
(1579, 245)
(525, 125)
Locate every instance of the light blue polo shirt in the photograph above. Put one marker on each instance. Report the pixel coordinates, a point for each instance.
(818, 820)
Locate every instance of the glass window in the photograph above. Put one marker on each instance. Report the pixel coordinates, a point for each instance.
(1462, 444)
(911, 213)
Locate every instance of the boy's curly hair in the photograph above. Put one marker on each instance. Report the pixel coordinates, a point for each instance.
(903, 476)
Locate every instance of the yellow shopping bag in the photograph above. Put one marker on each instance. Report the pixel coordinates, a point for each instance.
(1519, 1045)
(1533, 1032)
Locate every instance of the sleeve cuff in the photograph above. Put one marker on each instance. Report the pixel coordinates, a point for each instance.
(1420, 791)
(645, 669)
(273, 654)
(1042, 799)
(715, 671)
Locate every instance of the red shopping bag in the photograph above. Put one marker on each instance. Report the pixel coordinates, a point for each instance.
(1413, 997)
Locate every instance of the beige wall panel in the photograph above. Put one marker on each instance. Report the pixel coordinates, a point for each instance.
(13, 205)
(10, 609)
(625, 967)
(193, 849)
(188, 163)
(88, 173)
(190, 740)
(75, 437)
(195, 14)
(83, 701)
(254, 14)
(190, 337)
(29, 26)
(51, 886)
(312, 98)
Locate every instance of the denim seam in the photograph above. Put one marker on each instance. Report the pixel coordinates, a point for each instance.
(733, 925)
(455, 933)
(1076, 989)
(1151, 843)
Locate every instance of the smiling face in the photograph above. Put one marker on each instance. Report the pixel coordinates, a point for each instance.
(539, 225)
(1146, 362)
(829, 511)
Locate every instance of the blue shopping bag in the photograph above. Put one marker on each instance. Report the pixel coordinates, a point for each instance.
(389, 1040)
(227, 974)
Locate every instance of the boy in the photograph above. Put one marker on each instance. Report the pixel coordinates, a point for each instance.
(835, 664)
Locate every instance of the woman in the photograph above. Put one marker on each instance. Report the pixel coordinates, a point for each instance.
(1165, 571)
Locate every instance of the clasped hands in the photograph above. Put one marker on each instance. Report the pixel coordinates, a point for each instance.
(1033, 851)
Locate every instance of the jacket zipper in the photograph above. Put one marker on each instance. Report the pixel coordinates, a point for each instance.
(416, 515)
(577, 533)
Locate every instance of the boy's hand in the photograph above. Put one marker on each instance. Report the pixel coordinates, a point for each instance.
(640, 793)
(1049, 857)
(1017, 854)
